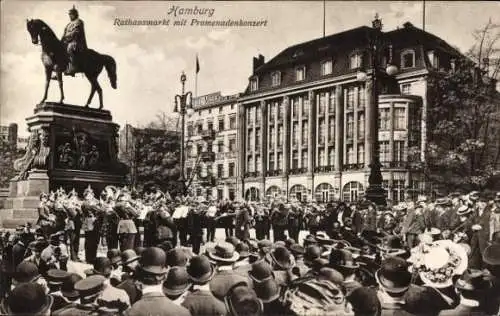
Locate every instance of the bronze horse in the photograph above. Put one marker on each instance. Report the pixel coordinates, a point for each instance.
(55, 59)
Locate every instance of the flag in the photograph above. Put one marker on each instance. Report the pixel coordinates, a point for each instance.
(197, 64)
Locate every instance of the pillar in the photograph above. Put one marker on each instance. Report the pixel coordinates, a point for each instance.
(286, 135)
(311, 132)
(370, 126)
(391, 132)
(241, 137)
(263, 147)
(339, 127)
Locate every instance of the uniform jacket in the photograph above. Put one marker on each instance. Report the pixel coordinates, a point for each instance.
(414, 222)
(156, 304)
(18, 251)
(74, 34)
(201, 302)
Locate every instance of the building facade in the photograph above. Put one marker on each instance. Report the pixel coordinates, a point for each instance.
(303, 132)
(8, 133)
(216, 115)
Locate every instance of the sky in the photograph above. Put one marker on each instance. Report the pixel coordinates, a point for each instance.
(150, 59)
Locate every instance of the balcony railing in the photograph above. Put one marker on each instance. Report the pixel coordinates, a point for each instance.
(208, 134)
(395, 164)
(324, 169)
(207, 156)
(298, 170)
(252, 174)
(273, 173)
(353, 166)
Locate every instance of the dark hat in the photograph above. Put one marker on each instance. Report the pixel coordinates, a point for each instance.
(242, 300)
(177, 257)
(139, 250)
(114, 255)
(56, 276)
(297, 250)
(73, 10)
(223, 252)
(393, 275)
(200, 270)
(243, 249)
(323, 239)
(68, 286)
(264, 245)
(491, 255)
(102, 266)
(177, 281)
(289, 242)
(454, 194)
(281, 257)
(311, 253)
(233, 240)
(129, 256)
(474, 195)
(364, 301)
(26, 272)
(27, 299)
(253, 244)
(40, 245)
(166, 246)
(260, 271)
(267, 291)
(342, 258)
(442, 201)
(329, 274)
(90, 286)
(472, 280)
(310, 239)
(153, 261)
(55, 239)
(319, 263)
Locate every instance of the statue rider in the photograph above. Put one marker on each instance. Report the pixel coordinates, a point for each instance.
(74, 39)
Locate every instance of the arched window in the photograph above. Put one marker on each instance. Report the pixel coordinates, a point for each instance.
(252, 194)
(352, 191)
(273, 191)
(324, 193)
(408, 58)
(298, 192)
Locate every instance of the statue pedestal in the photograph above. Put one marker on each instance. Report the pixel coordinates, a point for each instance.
(70, 147)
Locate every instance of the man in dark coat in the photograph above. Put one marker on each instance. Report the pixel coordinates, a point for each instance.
(294, 221)
(195, 228)
(243, 221)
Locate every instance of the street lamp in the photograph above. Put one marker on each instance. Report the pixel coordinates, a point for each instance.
(183, 105)
(375, 191)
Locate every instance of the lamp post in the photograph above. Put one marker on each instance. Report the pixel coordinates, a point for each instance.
(375, 192)
(183, 105)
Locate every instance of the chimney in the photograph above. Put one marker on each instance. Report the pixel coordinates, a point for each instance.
(258, 61)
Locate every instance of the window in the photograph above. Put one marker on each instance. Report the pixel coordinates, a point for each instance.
(399, 151)
(399, 118)
(210, 126)
(300, 73)
(231, 169)
(321, 155)
(398, 190)
(220, 170)
(221, 124)
(271, 136)
(331, 127)
(322, 103)
(321, 130)
(190, 129)
(326, 67)
(304, 159)
(220, 194)
(250, 140)
(361, 97)
(350, 154)
(209, 111)
(356, 60)
(384, 151)
(249, 116)
(325, 193)
(350, 97)
(280, 135)
(271, 111)
(232, 106)
(361, 153)
(305, 134)
(221, 108)
(350, 125)
(257, 139)
(209, 147)
(295, 159)
(352, 190)
(332, 103)
(258, 163)
(361, 125)
(254, 84)
(199, 127)
(271, 162)
(408, 59)
(220, 146)
(384, 119)
(331, 157)
(250, 165)
(305, 108)
(275, 78)
(406, 88)
(295, 107)
(280, 161)
(198, 191)
(232, 122)
(281, 110)
(232, 144)
(295, 134)
(199, 149)
(433, 59)
(258, 115)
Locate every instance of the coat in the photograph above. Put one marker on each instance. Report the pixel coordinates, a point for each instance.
(157, 304)
(462, 310)
(74, 35)
(223, 281)
(201, 302)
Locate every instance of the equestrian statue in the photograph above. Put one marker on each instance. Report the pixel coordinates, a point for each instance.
(70, 55)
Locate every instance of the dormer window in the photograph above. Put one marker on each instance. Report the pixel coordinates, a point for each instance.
(300, 73)
(254, 84)
(326, 67)
(276, 78)
(408, 58)
(356, 60)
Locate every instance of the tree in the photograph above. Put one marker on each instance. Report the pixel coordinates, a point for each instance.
(8, 154)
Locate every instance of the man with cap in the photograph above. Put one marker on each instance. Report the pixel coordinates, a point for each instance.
(110, 295)
(201, 301)
(342, 260)
(69, 294)
(279, 220)
(243, 220)
(413, 225)
(224, 255)
(19, 249)
(262, 224)
(27, 272)
(55, 278)
(37, 249)
(129, 260)
(88, 290)
(177, 284)
(151, 274)
(294, 223)
(195, 228)
(242, 265)
(114, 255)
(27, 299)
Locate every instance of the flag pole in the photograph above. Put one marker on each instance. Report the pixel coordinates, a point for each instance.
(196, 77)
(324, 16)
(423, 16)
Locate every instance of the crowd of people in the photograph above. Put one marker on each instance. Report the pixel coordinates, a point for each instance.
(150, 254)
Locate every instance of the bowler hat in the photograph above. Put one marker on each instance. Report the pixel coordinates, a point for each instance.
(176, 282)
(267, 291)
(243, 249)
(139, 250)
(129, 256)
(310, 239)
(153, 261)
(200, 270)
(56, 276)
(242, 300)
(289, 242)
(90, 285)
(297, 250)
(472, 280)
(323, 239)
(260, 271)
(26, 272)
(223, 252)
(27, 299)
(114, 255)
(364, 301)
(176, 257)
(233, 240)
(332, 275)
(264, 245)
(102, 266)
(68, 286)
(393, 275)
(319, 263)
(491, 254)
(442, 201)
(281, 257)
(342, 258)
(311, 253)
